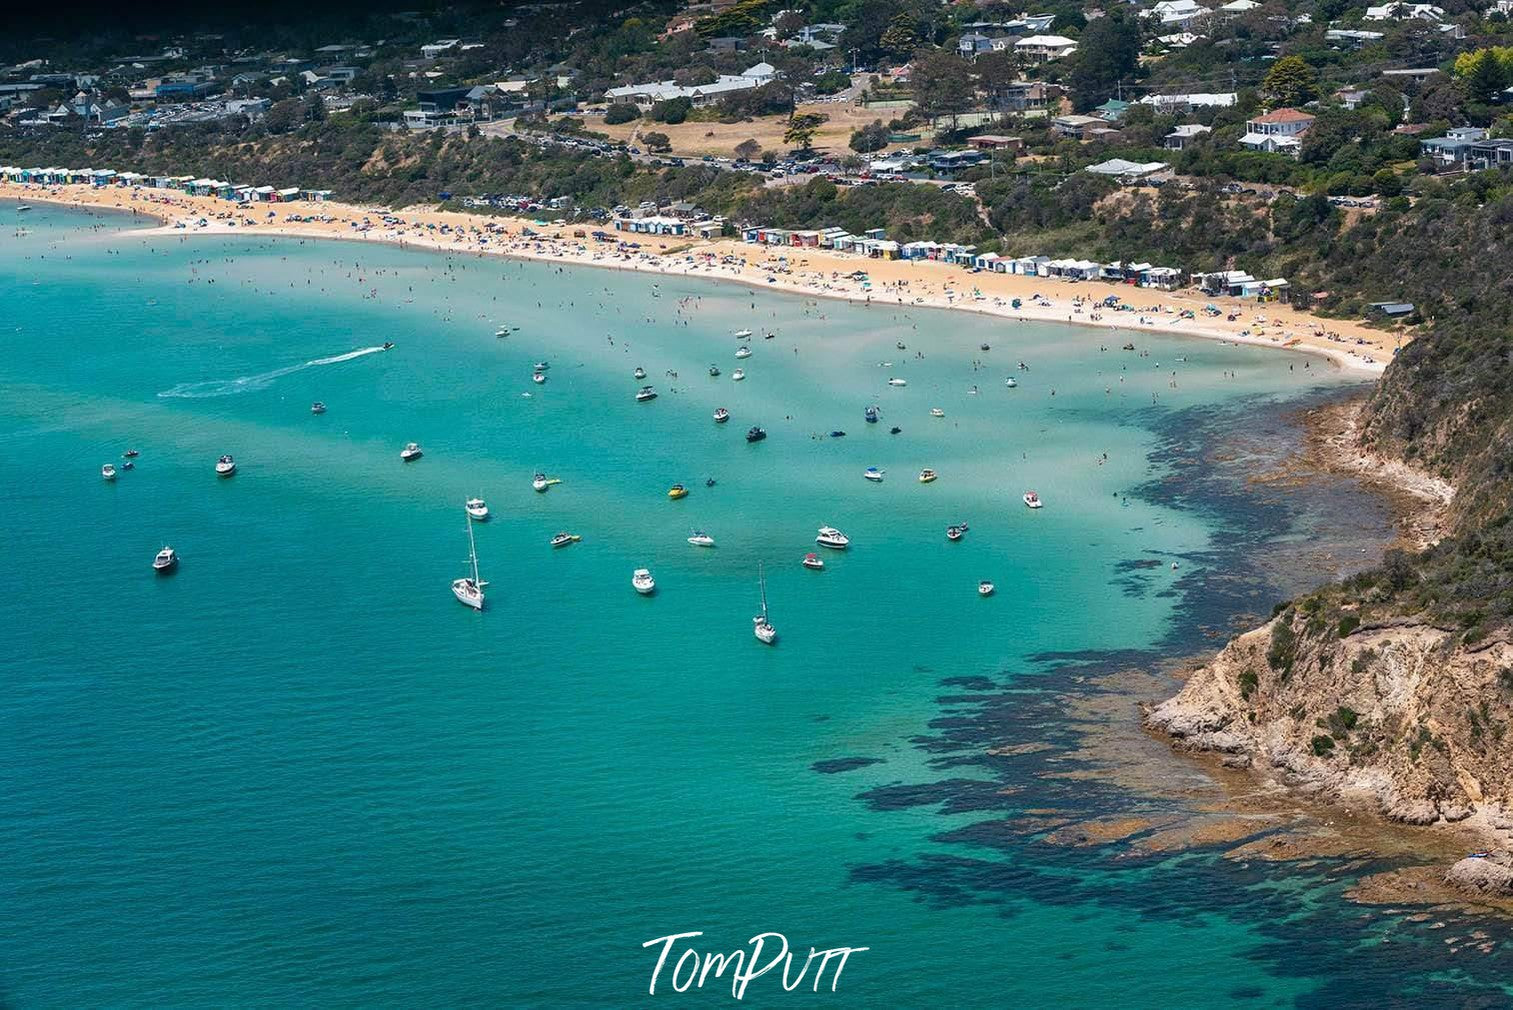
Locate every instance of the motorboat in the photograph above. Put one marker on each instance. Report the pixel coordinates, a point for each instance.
(769, 336)
(539, 378)
(900, 346)
(714, 371)
(837, 434)
(642, 582)
(563, 539)
(645, 393)
(225, 466)
(895, 430)
(1011, 382)
(937, 412)
(166, 560)
(1032, 499)
(677, 491)
(469, 589)
(870, 414)
(954, 533)
(755, 433)
(985, 588)
(986, 347)
(127, 464)
(476, 509)
(1129, 346)
(873, 474)
(927, 475)
(108, 471)
(701, 539)
(743, 352)
(639, 373)
(540, 482)
(130, 454)
(388, 345)
(737, 375)
(742, 334)
(761, 625)
(814, 561)
(502, 332)
(410, 452)
(833, 538)
(721, 415)
(896, 381)
(317, 407)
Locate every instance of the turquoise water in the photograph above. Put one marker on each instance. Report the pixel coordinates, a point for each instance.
(297, 771)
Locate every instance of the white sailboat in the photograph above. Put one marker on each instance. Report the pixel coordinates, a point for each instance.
(760, 625)
(469, 591)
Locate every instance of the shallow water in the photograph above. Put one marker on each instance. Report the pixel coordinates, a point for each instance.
(296, 771)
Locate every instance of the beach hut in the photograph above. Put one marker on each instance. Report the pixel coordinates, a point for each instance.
(286, 195)
(264, 194)
(1163, 278)
(829, 235)
(751, 235)
(315, 195)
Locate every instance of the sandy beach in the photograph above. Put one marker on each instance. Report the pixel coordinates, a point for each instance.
(814, 273)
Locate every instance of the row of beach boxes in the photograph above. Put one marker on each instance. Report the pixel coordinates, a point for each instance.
(875, 245)
(183, 183)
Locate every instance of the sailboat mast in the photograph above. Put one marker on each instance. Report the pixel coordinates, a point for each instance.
(473, 554)
(762, 581)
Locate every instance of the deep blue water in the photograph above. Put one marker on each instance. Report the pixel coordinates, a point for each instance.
(297, 772)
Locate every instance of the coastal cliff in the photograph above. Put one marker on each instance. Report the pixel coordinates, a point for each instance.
(1401, 716)
(1392, 690)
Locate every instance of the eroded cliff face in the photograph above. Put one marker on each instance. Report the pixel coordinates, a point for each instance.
(1407, 718)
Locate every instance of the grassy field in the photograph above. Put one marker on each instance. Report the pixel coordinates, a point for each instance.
(698, 139)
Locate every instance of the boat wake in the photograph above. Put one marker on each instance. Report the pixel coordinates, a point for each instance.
(254, 383)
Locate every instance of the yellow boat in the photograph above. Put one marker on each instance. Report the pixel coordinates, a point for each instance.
(926, 476)
(677, 491)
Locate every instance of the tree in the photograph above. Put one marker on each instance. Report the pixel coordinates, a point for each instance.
(901, 36)
(801, 129)
(872, 137)
(620, 112)
(1487, 77)
(787, 24)
(672, 111)
(996, 70)
(656, 141)
(748, 149)
(1290, 82)
(1387, 183)
(284, 116)
(1107, 53)
(942, 83)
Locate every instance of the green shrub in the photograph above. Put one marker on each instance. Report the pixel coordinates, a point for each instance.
(1323, 746)
(1284, 647)
(1248, 683)
(1349, 623)
(621, 113)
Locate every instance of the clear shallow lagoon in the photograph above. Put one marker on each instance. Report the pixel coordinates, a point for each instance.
(296, 771)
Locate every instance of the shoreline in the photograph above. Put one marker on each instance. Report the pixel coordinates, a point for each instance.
(809, 273)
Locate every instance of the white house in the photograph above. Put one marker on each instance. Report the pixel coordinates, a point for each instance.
(1405, 12)
(438, 47)
(1176, 13)
(1127, 169)
(1040, 48)
(1280, 130)
(1184, 135)
(1176, 104)
(646, 95)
